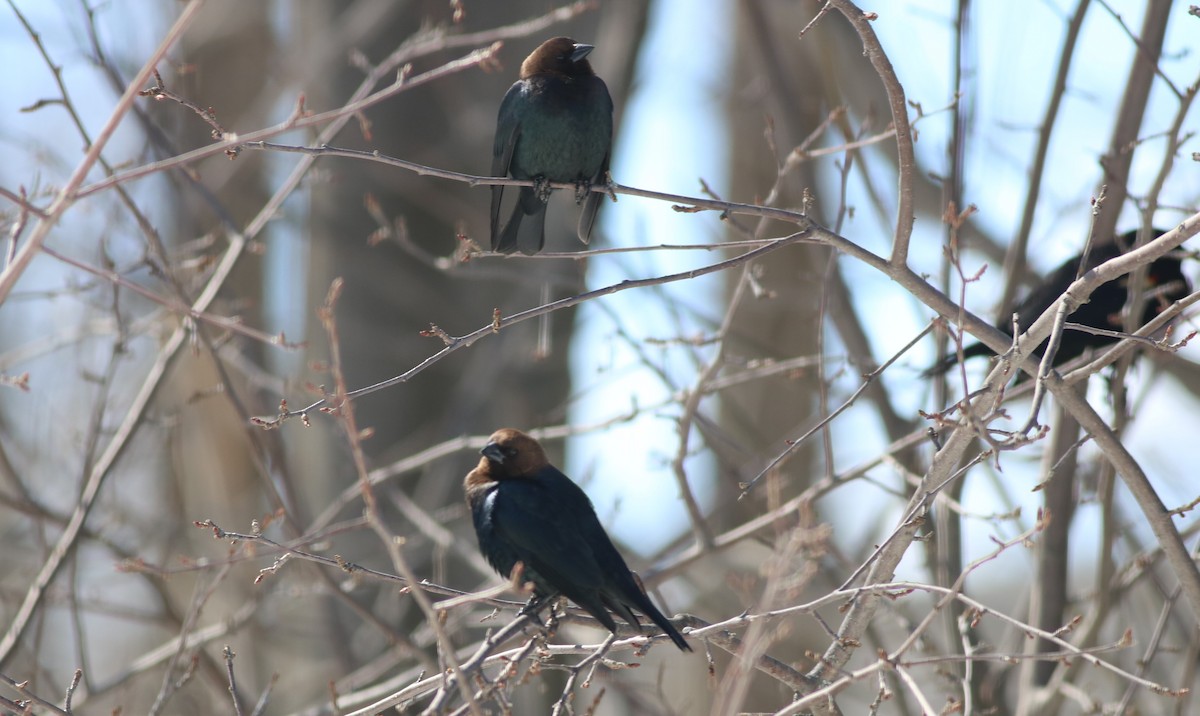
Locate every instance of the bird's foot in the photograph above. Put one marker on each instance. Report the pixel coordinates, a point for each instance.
(534, 606)
(551, 624)
(531, 607)
(583, 187)
(610, 186)
(542, 188)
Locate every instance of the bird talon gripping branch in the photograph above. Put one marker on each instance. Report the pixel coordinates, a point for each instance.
(534, 606)
(526, 511)
(583, 187)
(542, 188)
(554, 125)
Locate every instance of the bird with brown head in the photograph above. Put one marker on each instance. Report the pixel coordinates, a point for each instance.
(526, 511)
(555, 125)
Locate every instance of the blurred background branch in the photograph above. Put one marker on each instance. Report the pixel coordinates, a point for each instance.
(808, 195)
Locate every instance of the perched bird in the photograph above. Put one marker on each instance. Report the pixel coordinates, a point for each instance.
(555, 125)
(526, 511)
(1103, 310)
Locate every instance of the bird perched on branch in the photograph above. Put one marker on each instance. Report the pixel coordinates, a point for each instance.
(555, 125)
(1165, 283)
(526, 511)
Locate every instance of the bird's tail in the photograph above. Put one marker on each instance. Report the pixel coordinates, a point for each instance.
(641, 600)
(637, 598)
(527, 235)
(587, 218)
(668, 628)
(943, 365)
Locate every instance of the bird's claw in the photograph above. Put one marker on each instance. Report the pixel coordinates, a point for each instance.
(531, 607)
(583, 187)
(542, 188)
(534, 606)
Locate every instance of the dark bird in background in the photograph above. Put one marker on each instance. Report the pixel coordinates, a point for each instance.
(526, 511)
(555, 125)
(1165, 283)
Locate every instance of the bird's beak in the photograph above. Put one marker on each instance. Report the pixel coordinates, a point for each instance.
(581, 51)
(493, 452)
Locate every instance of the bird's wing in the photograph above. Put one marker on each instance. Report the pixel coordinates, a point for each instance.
(508, 129)
(551, 526)
(592, 204)
(1047, 290)
(497, 552)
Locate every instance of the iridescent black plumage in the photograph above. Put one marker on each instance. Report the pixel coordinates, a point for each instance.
(1103, 309)
(555, 125)
(526, 511)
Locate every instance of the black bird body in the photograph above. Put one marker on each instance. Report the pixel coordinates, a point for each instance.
(555, 125)
(526, 511)
(1103, 309)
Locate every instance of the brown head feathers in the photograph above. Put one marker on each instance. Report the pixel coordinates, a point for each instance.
(512, 453)
(558, 56)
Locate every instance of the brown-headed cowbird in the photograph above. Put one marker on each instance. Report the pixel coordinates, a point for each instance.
(555, 125)
(526, 511)
(1165, 283)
